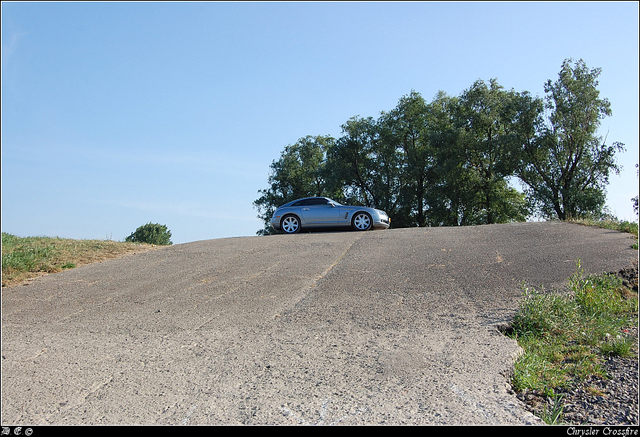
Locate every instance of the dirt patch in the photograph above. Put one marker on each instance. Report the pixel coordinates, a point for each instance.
(630, 276)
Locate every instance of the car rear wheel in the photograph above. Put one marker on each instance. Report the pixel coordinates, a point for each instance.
(361, 221)
(290, 224)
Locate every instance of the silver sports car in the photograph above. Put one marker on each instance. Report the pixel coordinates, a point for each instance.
(321, 212)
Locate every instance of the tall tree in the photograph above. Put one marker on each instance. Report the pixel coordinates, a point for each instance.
(488, 155)
(298, 173)
(567, 167)
(446, 195)
(363, 166)
(406, 130)
(350, 162)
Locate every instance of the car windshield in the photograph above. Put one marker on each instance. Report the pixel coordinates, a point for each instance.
(335, 203)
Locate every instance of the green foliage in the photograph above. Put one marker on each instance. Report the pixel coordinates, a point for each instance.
(608, 222)
(485, 116)
(599, 297)
(567, 165)
(553, 413)
(151, 233)
(449, 162)
(618, 346)
(351, 161)
(300, 172)
(542, 314)
(406, 128)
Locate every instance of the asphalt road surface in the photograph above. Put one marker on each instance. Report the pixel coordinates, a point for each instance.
(379, 327)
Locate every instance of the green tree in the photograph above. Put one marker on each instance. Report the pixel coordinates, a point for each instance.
(488, 154)
(388, 172)
(151, 233)
(298, 173)
(363, 166)
(566, 166)
(351, 162)
(447, 193)
(406, 130)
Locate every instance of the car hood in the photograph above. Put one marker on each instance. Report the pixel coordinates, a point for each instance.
(360, 208)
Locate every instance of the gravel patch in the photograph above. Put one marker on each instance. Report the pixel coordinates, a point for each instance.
(610, 401)
(597, 400)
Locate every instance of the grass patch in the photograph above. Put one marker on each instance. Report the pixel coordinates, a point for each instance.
(613, 224)
(567, 336)
(24, 258)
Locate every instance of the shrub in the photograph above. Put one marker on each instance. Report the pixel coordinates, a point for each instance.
(151, 233)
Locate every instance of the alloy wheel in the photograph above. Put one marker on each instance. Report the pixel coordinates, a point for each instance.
(362, 221)
(290, 224)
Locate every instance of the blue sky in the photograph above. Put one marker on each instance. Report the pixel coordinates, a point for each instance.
(119, 114)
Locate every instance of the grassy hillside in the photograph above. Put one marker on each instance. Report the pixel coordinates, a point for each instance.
(28, 257)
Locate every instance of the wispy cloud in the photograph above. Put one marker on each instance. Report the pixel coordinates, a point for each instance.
(9, 46)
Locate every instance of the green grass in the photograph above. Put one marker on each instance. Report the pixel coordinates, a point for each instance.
(611, 223)
(27, 257)
(567, 336)
(614, 224)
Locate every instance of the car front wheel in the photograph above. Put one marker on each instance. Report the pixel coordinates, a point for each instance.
(361, 221)
(290, 224)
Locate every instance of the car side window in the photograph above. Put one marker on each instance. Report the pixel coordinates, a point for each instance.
(311, 202)
(318, 201)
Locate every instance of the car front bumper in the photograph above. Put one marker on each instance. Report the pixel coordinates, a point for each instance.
(382, 221)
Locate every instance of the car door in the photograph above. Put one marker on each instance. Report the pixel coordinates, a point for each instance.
(318, 212)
